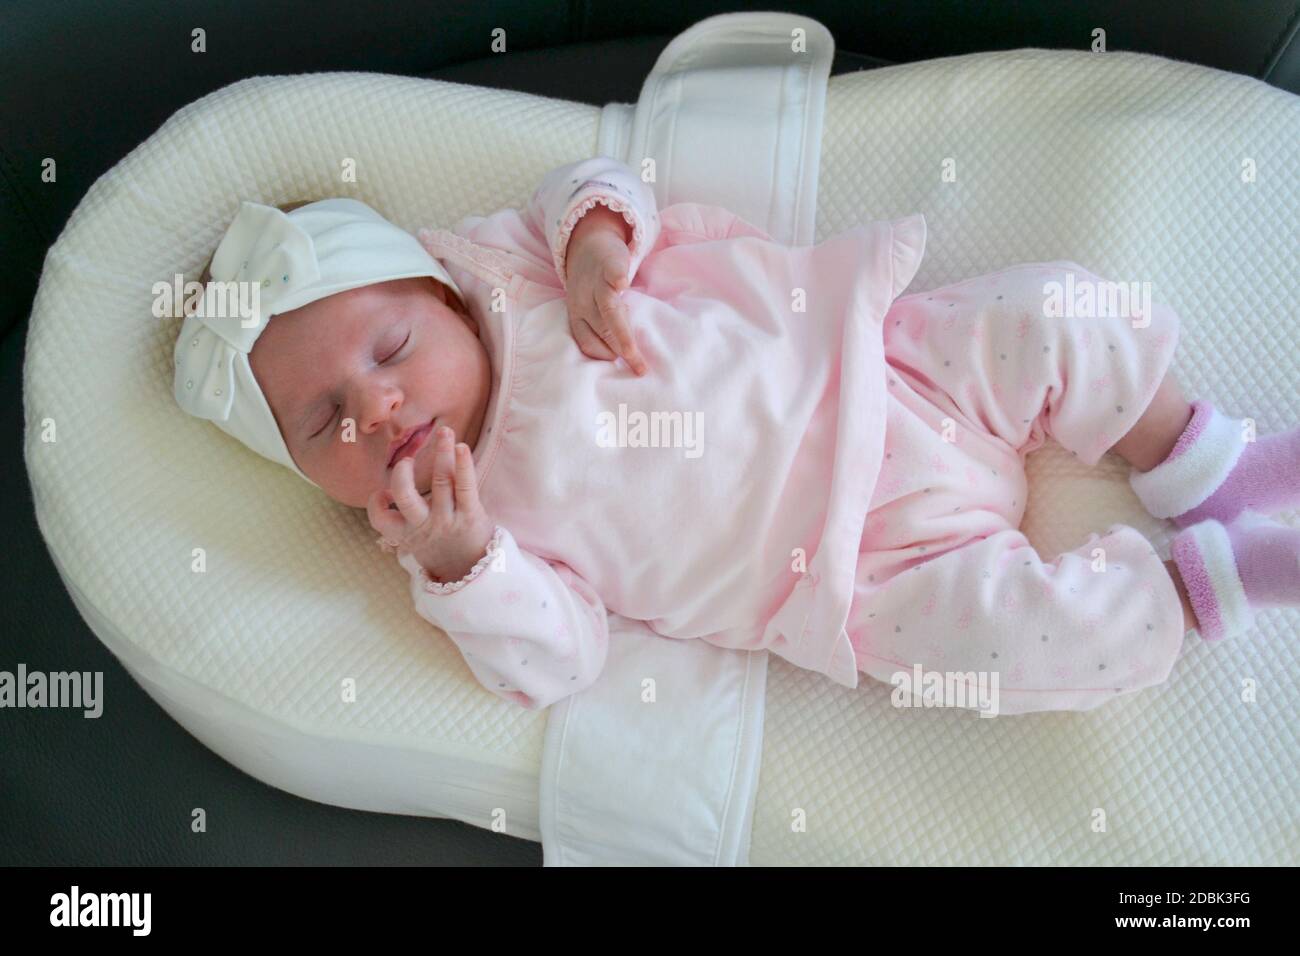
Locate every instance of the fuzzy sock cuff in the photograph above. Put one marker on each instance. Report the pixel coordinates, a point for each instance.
(1201, 460)
(1203, 554)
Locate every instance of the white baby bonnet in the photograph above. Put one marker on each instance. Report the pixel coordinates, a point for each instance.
(271, 262)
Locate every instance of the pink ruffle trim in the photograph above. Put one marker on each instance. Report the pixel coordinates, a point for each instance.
(448, 587)
(580, 210)
(486, 257)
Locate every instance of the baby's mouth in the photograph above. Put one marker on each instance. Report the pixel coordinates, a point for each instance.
(414, 444)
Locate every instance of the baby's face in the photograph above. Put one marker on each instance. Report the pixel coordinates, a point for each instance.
(392, 357)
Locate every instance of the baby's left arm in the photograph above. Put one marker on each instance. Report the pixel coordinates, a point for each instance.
(539, 233)
(569, 192)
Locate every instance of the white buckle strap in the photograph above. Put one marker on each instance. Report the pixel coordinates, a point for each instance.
(731, 116)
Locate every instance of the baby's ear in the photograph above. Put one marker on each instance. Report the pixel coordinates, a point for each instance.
(455, 303)
(447, 297)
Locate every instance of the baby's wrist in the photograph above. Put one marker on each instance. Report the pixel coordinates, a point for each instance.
(601, 217)
(441, 577)
(464, 572)
(445, 574)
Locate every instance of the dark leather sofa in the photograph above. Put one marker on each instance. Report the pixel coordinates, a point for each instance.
(85, 82)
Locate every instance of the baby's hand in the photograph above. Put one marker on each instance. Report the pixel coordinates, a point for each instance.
(596, 267)
(449, 533)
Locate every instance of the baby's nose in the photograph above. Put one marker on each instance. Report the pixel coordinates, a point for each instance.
(380, 409)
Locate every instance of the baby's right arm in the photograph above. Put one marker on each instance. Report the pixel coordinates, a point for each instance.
(531, 630)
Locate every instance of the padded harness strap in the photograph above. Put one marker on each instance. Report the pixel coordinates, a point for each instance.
(731, 115)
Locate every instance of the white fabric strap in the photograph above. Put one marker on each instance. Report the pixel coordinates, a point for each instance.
(657, 762)
(731, 116)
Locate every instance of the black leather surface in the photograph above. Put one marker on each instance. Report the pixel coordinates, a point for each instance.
(83, 83)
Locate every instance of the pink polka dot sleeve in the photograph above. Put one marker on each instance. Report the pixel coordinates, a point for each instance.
(531, 631)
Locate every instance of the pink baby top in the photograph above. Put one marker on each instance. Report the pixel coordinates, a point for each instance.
(720, 496)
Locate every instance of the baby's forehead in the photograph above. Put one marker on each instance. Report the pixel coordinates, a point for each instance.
(344, 313)
(322, 327)
(373, 302)
(318, 329)
(357, 300)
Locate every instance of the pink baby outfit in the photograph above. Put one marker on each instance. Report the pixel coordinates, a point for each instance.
(798, 493)
(742, 526)
(978, 378)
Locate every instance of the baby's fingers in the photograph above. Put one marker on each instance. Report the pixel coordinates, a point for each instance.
(387, 522)
(413, 510)
(613, 270)
(589, 342)
(444, 470)
(466, 480)
(615, 330)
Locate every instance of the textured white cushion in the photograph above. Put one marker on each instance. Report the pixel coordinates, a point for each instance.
(1125, 163)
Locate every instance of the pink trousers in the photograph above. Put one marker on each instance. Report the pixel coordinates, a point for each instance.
(981, 374)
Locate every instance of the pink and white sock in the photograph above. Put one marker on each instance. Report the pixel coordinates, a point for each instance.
(1213, 472)
(1232, 570)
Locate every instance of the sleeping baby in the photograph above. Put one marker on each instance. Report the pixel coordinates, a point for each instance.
(593, 405)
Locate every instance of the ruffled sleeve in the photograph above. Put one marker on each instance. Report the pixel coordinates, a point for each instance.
(569, 192)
